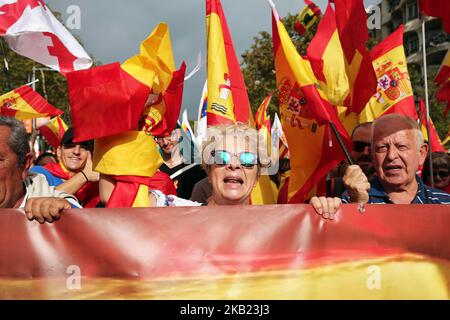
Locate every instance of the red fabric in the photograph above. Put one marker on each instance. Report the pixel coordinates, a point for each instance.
(173, 98)
(88, 195)
(351, 21)
(433, 138)
(127, 188)
(116, 98)
(283, 192)
(443, 95)
(240, 97)
(437, 8)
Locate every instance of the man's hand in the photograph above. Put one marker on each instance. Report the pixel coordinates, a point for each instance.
(88, 170)
(357, 184)
(45, 209)
(326, 207)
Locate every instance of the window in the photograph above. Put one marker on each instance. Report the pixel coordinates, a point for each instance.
(412, 11)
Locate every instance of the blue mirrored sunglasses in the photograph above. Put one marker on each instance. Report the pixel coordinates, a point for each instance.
(223, 157)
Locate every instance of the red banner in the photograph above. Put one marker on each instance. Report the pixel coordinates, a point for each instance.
(281, 252)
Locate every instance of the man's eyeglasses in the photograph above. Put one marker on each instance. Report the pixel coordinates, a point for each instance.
(223, 157)
(359, 146)
(441, 173)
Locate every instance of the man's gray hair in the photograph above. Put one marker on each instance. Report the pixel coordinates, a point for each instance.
(410, 123)
(18, 139)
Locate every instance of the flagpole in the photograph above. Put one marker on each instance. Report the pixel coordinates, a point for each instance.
(338, 137)
(427, 107)
(6, 68)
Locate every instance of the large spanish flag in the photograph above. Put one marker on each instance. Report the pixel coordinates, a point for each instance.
(227, 95)
(24, 103)
(306, 116)
(53, 131)
(351, 23)
(281, 252)
(131, 96)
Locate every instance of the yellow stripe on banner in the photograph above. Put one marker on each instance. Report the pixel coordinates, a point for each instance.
(220, 97)
(377, 278)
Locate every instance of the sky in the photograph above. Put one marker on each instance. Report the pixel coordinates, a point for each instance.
(111, 30)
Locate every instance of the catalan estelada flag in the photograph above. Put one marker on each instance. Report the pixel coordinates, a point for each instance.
(437, 8)
(227, 95)
(306, 19)
(53, 131)
(351, 22)
(306, 116)
(24, 103)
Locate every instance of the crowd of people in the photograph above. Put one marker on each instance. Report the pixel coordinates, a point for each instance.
(388, 155)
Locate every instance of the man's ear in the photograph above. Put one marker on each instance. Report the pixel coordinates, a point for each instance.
(423, 152)
(28, 161)
(58, 153)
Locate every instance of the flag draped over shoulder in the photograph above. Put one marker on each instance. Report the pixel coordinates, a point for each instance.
(305, 116)
(437, 8)
(306, 19)
(25, 103)
(227, 95)
(53, 131)
(31, 30)
(351, 22)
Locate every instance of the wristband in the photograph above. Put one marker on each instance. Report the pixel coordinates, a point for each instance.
(87, 180)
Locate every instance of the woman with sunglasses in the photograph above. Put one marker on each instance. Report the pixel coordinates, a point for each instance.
(441, 169)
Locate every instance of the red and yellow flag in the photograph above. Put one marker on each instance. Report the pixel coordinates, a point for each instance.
(262, 118)
(227, 95)
(53, 131)
(351, 23)
(305, 116)
(306, 19)
(434, 140)
(443, 81)
(133, 96)
(24, 103)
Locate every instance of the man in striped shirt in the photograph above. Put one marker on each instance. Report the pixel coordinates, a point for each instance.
(398, 150)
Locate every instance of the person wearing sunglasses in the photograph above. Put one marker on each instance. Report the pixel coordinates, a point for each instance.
(361, 152)
(441, 170)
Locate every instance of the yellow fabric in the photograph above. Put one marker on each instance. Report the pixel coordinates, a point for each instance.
(13, 100)
(265, 192)
(53, 125)
(219, 96)
(132, 153)
(154, 67)
(304, 136)
(142, 198)
(308, 13)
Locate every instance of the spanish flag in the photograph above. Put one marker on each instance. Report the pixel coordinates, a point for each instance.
(227, 95)
(53, 131)
(394, 91)
(306, 116)
(262, 118)
(351, 23)
(306, 19)
(131, 96)
(434, 141)
(24, 103)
